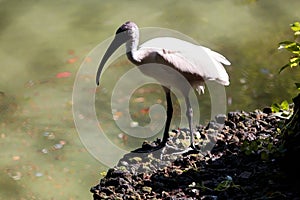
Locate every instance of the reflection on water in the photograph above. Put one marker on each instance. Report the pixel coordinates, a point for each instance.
(44, 42)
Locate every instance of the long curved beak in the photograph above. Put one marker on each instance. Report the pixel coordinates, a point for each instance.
(115, 44)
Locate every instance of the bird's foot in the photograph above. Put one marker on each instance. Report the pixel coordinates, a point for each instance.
(157, 145)
(192, 149)
(150, 147)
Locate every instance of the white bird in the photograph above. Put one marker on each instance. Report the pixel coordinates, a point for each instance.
(170, 59)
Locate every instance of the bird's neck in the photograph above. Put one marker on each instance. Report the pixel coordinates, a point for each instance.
(131, 50)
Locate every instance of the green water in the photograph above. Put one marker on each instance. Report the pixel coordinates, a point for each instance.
(41, 39)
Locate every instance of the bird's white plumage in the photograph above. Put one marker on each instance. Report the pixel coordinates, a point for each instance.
(194, 63)
(188, 57)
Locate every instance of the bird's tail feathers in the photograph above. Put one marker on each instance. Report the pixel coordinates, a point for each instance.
(220, 58)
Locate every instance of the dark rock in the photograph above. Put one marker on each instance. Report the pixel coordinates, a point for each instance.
(292, 139)
(220, 118)
(267, 110)
(230, 170)
(230, 124)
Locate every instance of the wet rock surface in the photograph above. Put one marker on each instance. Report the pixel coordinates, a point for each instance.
(240, 160)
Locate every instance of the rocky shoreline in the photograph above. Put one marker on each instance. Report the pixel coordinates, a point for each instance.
(240, 160)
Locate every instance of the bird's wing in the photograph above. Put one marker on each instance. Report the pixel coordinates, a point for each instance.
(188, 57)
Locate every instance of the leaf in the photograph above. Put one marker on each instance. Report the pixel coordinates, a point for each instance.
(295, 26)
(290, 46)
(294, 47)
(297, 86)
(275, 107)
(286, 44)
(224, 185)
(254, 146)
(103, 173)
(297, 52)
(264, 155)
(248, 152)
(295, 60)
(284, 105)
(293, 65)
(270, 146)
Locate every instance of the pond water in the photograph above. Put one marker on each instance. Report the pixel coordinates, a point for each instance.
(44, 43)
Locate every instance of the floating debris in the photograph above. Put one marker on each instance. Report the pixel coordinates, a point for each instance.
(134, 124)
(121, 135)
(57, 146)
(88, 59)
(243, 80)
(139, 100)
(45, 151)
(265, 71)
(72, 60)
(49, 135)
(62, 142)
(29, 84)
(15, 175)
(81, 116)
(46, 134)
(16, 158)
(116, 115)
(145, 111)
(39, 174)
(63, 75)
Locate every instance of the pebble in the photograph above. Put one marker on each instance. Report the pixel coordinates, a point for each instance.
(147, 189)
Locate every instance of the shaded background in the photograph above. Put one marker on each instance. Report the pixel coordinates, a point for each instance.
(43, 44)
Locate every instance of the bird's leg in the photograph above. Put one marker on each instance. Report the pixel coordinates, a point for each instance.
(189, 115)
(165, 138)
(169, 115)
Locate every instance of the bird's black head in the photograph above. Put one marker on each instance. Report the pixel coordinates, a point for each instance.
(127, 26)
(126, 32)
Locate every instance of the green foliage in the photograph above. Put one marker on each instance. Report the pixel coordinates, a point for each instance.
(103, 173)
(222, 186)
(265, 147)
(283, 110)
(297, 86)
(226, 184)
(294, 61)
(270, 146)
(294, 48)
(296, 28)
